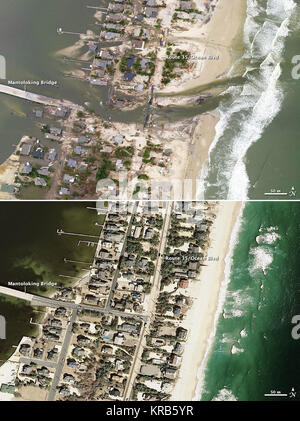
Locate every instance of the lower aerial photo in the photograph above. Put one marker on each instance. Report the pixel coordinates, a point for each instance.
(150, 301)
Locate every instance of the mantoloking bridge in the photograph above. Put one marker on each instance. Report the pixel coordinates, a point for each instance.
(16, 294)
(41, 99)
(40, 301)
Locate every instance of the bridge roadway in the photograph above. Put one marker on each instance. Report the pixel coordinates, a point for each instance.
(36, 300)
(41, 99)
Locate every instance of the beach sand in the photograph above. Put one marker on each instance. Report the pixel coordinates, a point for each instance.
(205, 291)
(221, 37)
(199, 148)
(8, 171)
(218, 41)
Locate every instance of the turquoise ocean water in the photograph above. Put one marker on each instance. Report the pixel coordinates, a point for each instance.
(253, 352)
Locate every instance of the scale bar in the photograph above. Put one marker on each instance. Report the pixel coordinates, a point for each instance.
(276, 394)
(275, 194)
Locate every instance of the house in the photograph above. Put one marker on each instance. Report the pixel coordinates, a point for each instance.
(52, 155)
(38, 153)
(128, 327)
(170, 373)
(118, 339)
(38, 181)
(38, 353)
(137, 232)
(119, 139)
(103, 63)
(27, 369)
(72, 163)
(27, 169)
(116, 7)
(25, 349)
(178, 348)
(64, 391)
(55, 131)
(119, 164)
(129, 76)
(105, 55)
(52, 354)
(130, 61)
(100, 73)
(71, 363)
(52, 137)
(186, 5)
(144, 62)
(68, 378)
(114, 392)
(79, 150)
(44, 171)
(181, 333)
(192, 274)
(83, 140)
(149, 234)
(68, 179)
(61, 112)
(176, 310)
(139, 87)
(64, 192)
(78, 352)
(115, 26)
(150, 12)
(175, 360)
(92, 47)
(25, 149)
(111, 35)
(115, 17)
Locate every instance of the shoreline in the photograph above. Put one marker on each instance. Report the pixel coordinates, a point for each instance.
(198, 158)
(206, 293)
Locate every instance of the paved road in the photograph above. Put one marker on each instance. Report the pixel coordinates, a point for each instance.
(151, 309)
(15, 293)
(41, 99)
(62, 357)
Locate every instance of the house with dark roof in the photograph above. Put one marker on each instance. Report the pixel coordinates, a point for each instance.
(129, 76)
(38, 153)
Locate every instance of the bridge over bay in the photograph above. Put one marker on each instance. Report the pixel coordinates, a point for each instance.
(41, 99)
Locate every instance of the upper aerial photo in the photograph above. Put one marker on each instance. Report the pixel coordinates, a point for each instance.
(158, 99)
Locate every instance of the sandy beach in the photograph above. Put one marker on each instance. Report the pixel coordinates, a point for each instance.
(221, 37)
(217, 43)
(206, 292)
(8, 171)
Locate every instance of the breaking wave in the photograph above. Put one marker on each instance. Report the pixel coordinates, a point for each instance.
(225, 395)
(252, 106)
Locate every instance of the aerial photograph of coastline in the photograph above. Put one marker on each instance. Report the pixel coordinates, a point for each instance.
(200, 93)
(149, 203)
(100, 303)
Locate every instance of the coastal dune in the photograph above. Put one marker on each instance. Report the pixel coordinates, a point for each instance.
(205, 292)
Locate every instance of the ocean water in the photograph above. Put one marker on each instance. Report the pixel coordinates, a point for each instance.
(31, 250)
(253, 352)
(255, 147)
(30, 44)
